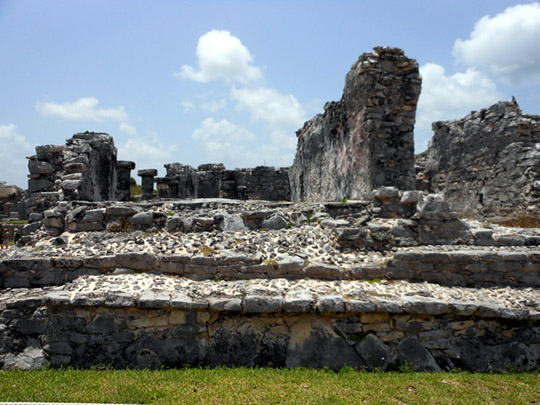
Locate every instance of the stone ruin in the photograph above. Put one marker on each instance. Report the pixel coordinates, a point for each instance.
(213, 180)
(365, 140)
(9, 199)
(196, 277)
(487, 164)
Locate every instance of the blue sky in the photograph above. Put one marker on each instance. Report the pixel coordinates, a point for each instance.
(231, 81)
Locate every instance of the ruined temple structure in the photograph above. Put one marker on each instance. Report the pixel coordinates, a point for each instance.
(365, 140)
(213, 180)
(83, 169)
(9, 198)
(486, 164)
(171, 281)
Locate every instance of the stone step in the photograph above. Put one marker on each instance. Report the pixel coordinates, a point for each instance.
(519, 267)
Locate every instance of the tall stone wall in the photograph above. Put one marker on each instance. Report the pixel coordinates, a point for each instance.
(486, 164)
(365, 140)
(83, 169)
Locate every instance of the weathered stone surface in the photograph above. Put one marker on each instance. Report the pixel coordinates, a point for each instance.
(31, 358)
(411, 352)
(365, 140)
(233, 223)
(137, 261)
(275, 222)
(375, 353)
(486, 163)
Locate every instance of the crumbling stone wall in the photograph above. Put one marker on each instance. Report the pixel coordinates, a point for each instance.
(9, 199)
(365, 140)
(214, 180)
(299, 329)
(486, 164)
(83, 169)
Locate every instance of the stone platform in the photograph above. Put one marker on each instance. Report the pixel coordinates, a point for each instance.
(221, 282)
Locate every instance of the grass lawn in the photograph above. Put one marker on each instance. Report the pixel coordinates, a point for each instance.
(267, 386)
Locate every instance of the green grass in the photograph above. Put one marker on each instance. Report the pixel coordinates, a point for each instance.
(267, 386)
(14, 222)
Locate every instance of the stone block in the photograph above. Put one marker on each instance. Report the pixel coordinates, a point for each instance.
(153, 299)
(323, 271)
(330, 303)
(100, 262)
(183, 301)
(30, 326)
(358, 306)
(102, 324)
(225, 304)
(410, 351)
(262, 303)
(300, 301)
(137, 261)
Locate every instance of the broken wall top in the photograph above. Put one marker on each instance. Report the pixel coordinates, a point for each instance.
(365, 140)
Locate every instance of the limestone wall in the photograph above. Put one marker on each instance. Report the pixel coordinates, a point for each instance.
(213, 180)
(365, 140)
(486, 164)
(83, 169)
(257, 326)
(479, 267)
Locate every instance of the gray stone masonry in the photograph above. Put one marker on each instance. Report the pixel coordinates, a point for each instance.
(147, 182)
(123, 178)
(487, 164)
(83, 169)
(365, 140)
(213, 180)
(145, 321)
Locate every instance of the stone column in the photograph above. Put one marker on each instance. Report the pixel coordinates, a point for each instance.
(173, 188)
(123, 177)
(147, 182)
(162, 187)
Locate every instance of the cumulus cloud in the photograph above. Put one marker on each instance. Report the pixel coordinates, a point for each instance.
(187, 105)
(278, 110)
(214, 105)
(127, 128)
(147, 152)
(85, 108)
(225, 142)
(506, 46)
(221, 56)
(13, 151)
(447, 97)
(281, 112)
(219, 131)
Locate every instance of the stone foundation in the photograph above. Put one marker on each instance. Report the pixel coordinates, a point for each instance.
(255, 325)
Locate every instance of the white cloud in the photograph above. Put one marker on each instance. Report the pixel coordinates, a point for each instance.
(148, 152)
(506, 45)
(225, 142)
(187, 105)
(214, 105)
(448, 97)
(221, 56)
(281, 112)
(13, 151)
(127, 128)
(278, 110)
(85, 108)
(219, 131)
